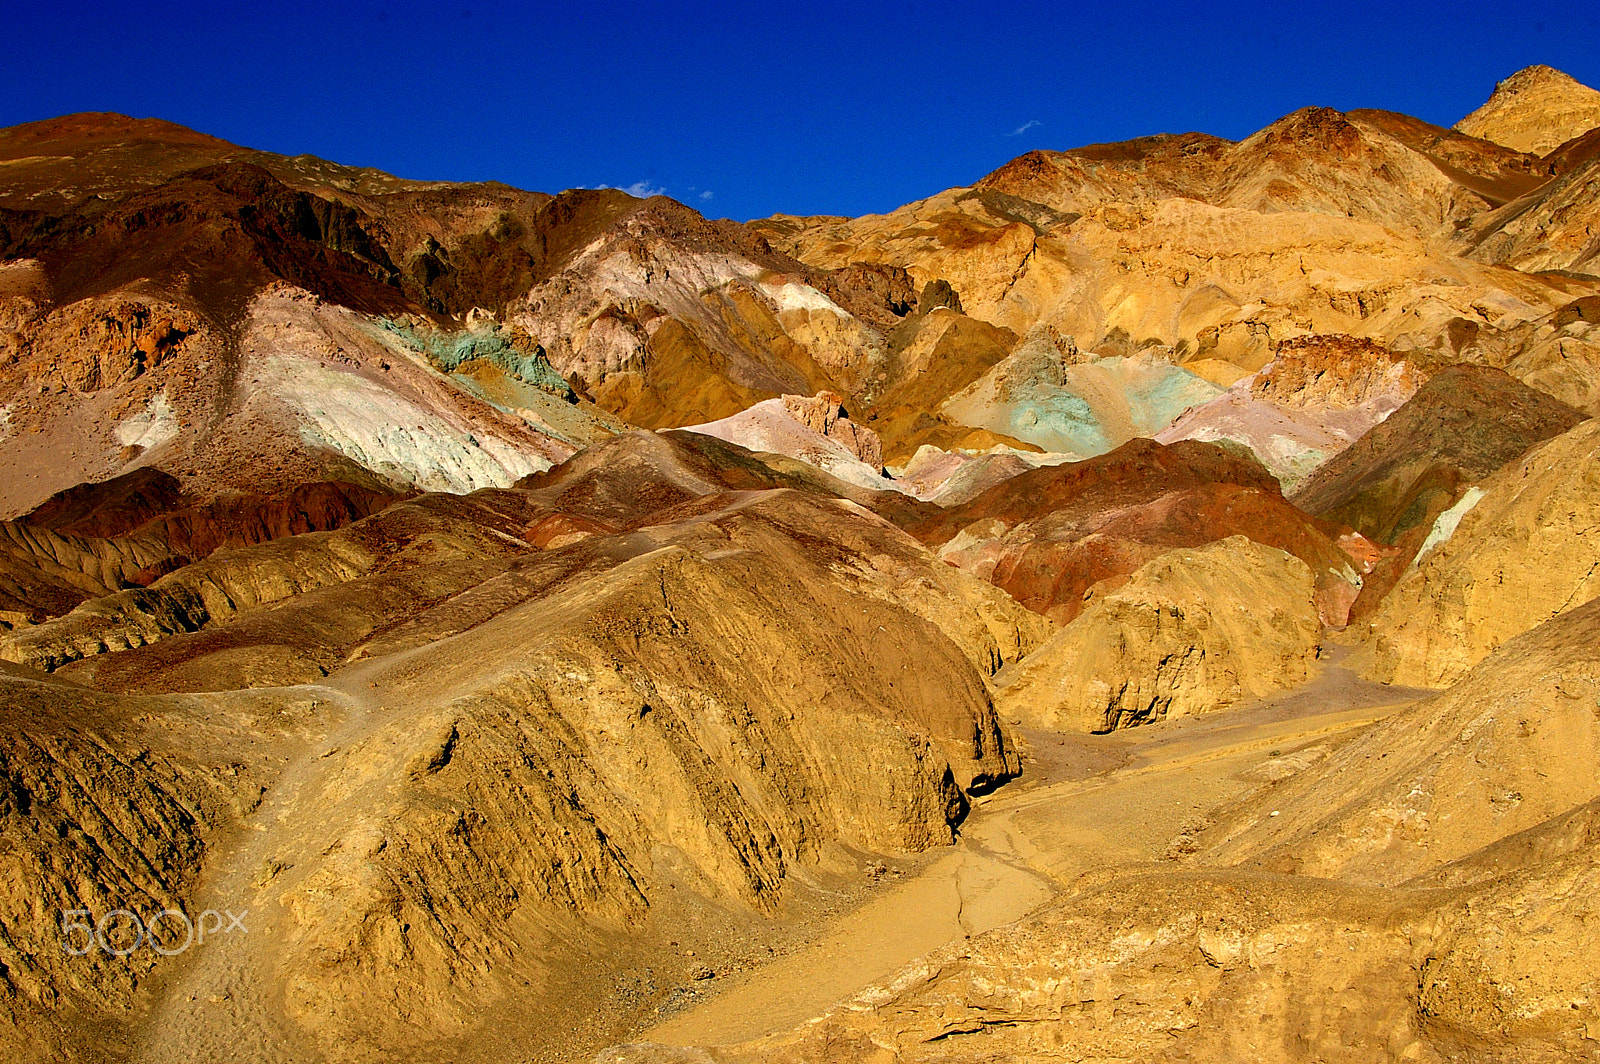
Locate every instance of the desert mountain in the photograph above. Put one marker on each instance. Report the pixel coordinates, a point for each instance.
(1522, 753)
(128, 531)
(1535, 110)
(1396, 482)
(166, 295)
(564, 621)
(1462, 425)
(186, 303)
(1550, 227)
(1420, 893)
(1141, 278)
(1316, 396)
(619, 749)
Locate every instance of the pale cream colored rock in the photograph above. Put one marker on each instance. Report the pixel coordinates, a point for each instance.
(668, 332)
(834, 338)
(1317, 396)
(812, 429)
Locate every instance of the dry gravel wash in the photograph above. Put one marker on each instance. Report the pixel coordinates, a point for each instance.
(1086, 804)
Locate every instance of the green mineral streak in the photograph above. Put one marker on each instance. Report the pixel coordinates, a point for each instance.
(1059, 420)
(449, 352)
(1154, 405)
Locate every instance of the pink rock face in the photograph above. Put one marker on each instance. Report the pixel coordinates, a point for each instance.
(824, 414)
(951, 478)
(1365, 553)
(1317, 397)
(929, 468)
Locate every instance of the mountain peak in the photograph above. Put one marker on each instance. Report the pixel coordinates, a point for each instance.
(1535, 110)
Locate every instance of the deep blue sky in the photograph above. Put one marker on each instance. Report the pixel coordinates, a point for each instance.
(809, 108)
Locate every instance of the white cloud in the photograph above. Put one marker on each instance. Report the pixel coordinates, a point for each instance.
(641, 189)
(707, 194)
(1020, 130)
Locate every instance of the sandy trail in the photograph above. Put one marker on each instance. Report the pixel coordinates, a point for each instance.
(217, 1004)
(1086, 802)
(215, 1007)
(964, 892)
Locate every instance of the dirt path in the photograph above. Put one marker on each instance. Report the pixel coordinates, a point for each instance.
(1085, 802)
(964, 892)
(218, 1006)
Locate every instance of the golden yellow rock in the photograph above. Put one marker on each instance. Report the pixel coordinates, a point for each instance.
(1534, 110)
(1515, 744)
(1512, 553)
(1190, 632)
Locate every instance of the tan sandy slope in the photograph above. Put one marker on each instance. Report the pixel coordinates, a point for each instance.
(1444, 911)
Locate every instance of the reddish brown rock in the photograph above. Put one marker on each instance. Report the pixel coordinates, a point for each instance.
(129, 531)
(1334, 371)
(1049, 536)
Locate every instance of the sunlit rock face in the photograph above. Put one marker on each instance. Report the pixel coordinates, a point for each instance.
(1535, 110)
(1149, 592)
(1519, 554)
(1191, 631)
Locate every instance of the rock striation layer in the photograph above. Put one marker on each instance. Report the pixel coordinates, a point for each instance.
(1446, 859)
(497, 747)
(1051, 535)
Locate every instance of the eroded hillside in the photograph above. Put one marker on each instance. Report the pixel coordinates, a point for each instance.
(1140, 606)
